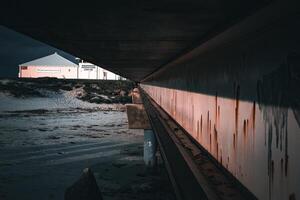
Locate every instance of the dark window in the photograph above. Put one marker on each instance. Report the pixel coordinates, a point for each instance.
(24, 67)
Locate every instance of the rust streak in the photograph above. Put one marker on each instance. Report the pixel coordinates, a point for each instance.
(219, 112)
(237, 96)
(207, 124)
(197, 129)
(192, 117)
(253, 116)
(216, 108)
(244, 128)
(216, 139)
(227, 160)
(201, 125)
(234, 144)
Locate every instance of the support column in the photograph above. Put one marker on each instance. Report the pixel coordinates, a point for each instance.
(138, 119)
(150, 147)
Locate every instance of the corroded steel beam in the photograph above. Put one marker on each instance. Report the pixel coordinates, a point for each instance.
(193, 172)
(237, 96)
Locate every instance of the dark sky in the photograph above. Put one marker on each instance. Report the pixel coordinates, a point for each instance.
(16, 49)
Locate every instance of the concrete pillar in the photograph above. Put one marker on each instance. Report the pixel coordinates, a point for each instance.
(138, 119)
(150, 147)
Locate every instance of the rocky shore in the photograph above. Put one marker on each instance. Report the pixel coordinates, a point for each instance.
(93, 91)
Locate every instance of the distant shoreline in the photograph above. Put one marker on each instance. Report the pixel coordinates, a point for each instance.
(93, 91)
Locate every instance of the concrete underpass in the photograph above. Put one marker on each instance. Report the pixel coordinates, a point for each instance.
(219, 78)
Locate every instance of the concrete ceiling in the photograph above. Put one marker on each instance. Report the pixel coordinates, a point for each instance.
(133, 38)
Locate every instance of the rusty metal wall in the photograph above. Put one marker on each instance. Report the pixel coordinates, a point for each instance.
(256, 143)
(240, 100)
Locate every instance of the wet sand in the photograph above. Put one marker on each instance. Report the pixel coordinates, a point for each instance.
(44, 149)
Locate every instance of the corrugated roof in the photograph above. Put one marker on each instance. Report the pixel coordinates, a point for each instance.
(51, 60)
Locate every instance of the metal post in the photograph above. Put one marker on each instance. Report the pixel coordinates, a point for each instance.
(150, 148)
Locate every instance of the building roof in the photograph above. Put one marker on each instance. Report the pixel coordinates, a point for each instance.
(51, 60)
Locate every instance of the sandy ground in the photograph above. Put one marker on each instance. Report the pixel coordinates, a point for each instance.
(46, 142)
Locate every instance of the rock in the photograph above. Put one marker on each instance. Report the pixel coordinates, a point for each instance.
(100, 99)
(122, 93)
(117, 91)
(85, 188)
(95, 86)
(95, 99)
(78, 85)
(53, 137)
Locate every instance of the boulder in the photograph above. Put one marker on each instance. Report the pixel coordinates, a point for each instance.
(85, 188)
(122, 93)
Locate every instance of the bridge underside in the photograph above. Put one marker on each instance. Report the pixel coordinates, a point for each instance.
(132, 37)
(226, 71)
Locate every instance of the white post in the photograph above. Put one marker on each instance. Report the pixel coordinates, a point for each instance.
(150, 147)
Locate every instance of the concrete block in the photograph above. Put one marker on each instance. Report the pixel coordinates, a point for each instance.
(137, 117)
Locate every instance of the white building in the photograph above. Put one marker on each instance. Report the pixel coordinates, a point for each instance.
(90, 71)
(53, 65)
(57, 66)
